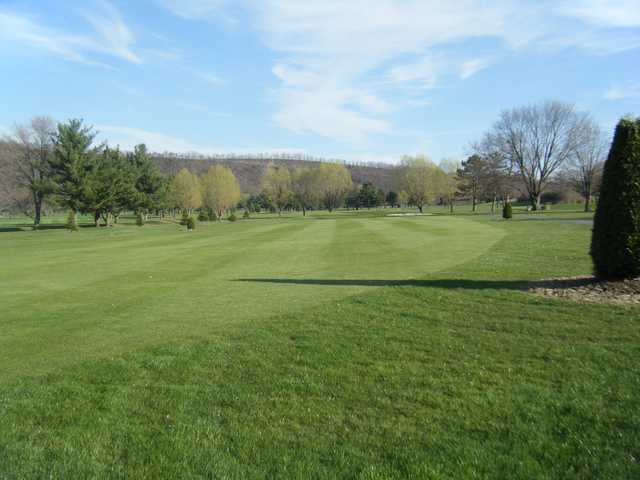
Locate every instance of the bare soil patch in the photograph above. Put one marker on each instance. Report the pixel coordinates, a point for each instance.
(589, 289)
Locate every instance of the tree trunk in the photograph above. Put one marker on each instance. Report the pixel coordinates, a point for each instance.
(37, 200)
(535, 201)
(587, 202)
(96, 218)
(451, 206)
(304, 212)
(473, 203)
(420, 208)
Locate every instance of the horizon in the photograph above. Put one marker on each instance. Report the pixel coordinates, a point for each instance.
(219, 77)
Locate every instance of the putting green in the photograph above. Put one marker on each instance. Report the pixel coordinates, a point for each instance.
(67, 297)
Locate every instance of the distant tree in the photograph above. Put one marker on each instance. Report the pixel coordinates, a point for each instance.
(615, 242)
(150, 185)
(587, 160)
(34, 145)
(276, 185)
(184, 191)
(110, 186)
(418, 180)
(403, 198)
(368, 195)
(220, 189)
(353, 199)
(473, 175)
(380, 197)
(73, 163)
(335, 183)
(306, 188)
(507, 211)
(536, 140)
(392, 199)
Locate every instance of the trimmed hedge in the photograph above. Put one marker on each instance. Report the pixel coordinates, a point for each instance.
(615, 242)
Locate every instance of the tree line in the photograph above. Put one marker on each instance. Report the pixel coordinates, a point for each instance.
(526, 151)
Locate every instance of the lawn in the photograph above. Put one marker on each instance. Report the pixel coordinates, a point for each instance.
(345, 345)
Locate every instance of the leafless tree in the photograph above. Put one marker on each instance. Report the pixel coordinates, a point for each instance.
(33, 145)
(587, 160)
(536, 141)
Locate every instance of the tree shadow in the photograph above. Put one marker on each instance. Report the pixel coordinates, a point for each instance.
(464, 284)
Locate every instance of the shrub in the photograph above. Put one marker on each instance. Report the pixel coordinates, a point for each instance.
(232, 217)
(246, 214)
(212, 215)
(72, 221)
(185, 218)
(191, 223)
(507, 211)
(139, 219)
(203, 216)
(615, 242)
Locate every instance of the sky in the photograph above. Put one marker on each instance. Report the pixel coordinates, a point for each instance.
(359, 80)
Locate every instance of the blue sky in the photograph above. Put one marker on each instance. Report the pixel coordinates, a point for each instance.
(357, 80)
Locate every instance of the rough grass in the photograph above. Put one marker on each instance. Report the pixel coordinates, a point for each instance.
(350, 346)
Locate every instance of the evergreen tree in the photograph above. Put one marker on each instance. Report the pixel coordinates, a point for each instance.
(615, 243)
(72, 164)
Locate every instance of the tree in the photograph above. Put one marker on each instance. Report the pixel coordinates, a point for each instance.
(403, 198)
(536, 140)
(368, 195)
(473, 174)
(417, 179)
(615, 242)
(111, 186)
(32, 171)
(392, 199)
(587, 160)
(335, 183)
(73, 163)
(306, 188)
(220, 189)
(184, 191)
(276, 185)
(150, 185)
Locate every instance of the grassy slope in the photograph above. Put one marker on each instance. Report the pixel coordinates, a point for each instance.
(308, 368)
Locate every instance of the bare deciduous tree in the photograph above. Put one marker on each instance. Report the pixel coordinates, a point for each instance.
(33, 147)
(537, 140)
(587, 160)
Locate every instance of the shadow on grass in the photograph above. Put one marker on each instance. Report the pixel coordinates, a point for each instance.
(436, 283)
(28, 227)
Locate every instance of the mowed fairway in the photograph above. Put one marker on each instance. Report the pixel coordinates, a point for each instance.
(353, 346)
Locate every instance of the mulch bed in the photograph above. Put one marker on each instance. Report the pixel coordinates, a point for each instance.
(589, 289)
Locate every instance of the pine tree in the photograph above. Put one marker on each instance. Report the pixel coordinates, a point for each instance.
(615, 243)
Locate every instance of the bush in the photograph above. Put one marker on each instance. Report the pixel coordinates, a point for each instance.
(246, 214)
(185, 218)
(139, 219)
(615, 242)
(72, 221)
(507, 211)
(232, 217)
(212, 215)
(191, 223)
(203, 216)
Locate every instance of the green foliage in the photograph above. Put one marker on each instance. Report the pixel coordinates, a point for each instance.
(246, 214)
(191, 222)
(203, 216)
(507, 211)
(368, 195)
(211, 214)
(184, 220)
(140, 219)
(232, 217)
(615, 243)
(72, 164)
(72, 221)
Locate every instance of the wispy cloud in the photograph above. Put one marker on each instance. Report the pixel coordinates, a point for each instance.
(110, 36)
(623, 92)
(208, 77)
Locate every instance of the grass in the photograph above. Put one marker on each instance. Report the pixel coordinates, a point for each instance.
(350, 345)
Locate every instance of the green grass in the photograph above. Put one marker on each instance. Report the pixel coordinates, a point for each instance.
(351, 345)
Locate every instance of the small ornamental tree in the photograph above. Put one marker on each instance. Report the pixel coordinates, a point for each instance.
(232, 217)
(615, 242)
(246, 214)
(191, 223)
(140, 218)
(507, 211)
(203, 216)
